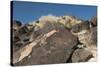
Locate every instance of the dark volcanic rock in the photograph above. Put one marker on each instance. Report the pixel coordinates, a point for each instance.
(79, 27)
(57, 49)
(94, 21)
(93, 36)
(52, 40)
(16, 24)
(48, 26)
(23, 30)
(81, 55)
(86, 35)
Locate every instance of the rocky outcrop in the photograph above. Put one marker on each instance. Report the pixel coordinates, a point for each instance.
(87, 36)
(52, 39)
(55, 49)
(80, 27)
(81, 55)
(94, 21)
(16, 24)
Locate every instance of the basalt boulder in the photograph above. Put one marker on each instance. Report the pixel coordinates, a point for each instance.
(56, 49)
(16, 24)
(94, 21)
(81, 55)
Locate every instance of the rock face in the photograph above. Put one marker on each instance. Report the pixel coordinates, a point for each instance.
(94, 21)
(80, 27)
(85, 34)
(88, 37)
(81, 55)
(16, 24)
(57, 49)
(53, 39)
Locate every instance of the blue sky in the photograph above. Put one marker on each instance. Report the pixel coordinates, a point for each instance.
(30, 11)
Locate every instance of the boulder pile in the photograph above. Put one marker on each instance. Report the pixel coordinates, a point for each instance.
(54, 39)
